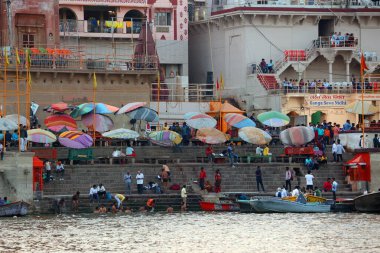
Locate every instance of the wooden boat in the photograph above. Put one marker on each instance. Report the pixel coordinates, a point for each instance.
(342, 205)
(283, 206)
(309, 198)
(219, 206)
(19, 208)
(368, 203)
(245, 206)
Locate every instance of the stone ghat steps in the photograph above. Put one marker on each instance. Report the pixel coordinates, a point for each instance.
(237, 179)
(163, 201)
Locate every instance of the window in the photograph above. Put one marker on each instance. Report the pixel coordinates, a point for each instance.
(28, 40)
(163, 19)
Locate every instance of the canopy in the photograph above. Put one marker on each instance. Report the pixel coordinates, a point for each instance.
(121, 133)
(254, 135)
(165, 137)
(356, 107)
(7, 124)
(60, 122)
(359, 167)
(102, 123)
(75, 139)
(238, 120)
(89, 107)
(41, 136)
(199, 120)
(211, 136)
(130, 107)
(297, 136)
(218, 110)
(144, 113)
(273, 119)
(15, 118)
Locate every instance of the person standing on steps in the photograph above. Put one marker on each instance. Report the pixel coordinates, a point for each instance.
(334, 188)
(288, 179)
(140, 182)
(339, 152)
(184, 194)
(309, 182)
(202, 178)
(218, 181)
(259, 179)
(128, 183)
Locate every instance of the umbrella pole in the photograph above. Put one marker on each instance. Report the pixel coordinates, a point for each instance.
(362, 83)
(18, 106)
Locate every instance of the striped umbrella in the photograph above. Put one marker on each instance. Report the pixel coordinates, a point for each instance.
(100, 108)
(200, 120)
(41, 136)
(130, 107)
(60, 122)
(144, 113)
(297, 136)
(121, 133)
(357, 108)
(211, 136)
(59, 107)
(254, 135)
(15, 119)
(239, 121)
(75, 139)
(102, 123)
(273, 119)
(165, 138)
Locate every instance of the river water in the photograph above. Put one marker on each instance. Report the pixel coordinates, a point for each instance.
(192, 232)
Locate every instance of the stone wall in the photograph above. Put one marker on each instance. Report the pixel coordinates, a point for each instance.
(16, 176)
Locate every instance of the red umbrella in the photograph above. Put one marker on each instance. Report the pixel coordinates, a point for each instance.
(59, 107)
(60, 122)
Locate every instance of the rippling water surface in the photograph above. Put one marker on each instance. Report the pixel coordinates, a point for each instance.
(192, 232)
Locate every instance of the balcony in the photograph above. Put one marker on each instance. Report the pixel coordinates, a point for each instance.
(173, 92)
(100, 29)
(79, 61)
(341, 42)
(104, 2)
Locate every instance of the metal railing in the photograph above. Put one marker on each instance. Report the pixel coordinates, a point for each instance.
(174, 92)
(76, 59)
(130, 26)
(338, 41)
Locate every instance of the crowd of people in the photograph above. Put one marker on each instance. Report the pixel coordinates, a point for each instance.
(338, 39)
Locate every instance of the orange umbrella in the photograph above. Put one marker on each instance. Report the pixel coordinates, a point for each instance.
(211, 136)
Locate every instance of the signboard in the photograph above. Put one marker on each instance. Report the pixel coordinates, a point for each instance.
(368, 96)
(326, 100)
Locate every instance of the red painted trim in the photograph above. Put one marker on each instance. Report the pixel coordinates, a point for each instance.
(175, 24)
(266, 9)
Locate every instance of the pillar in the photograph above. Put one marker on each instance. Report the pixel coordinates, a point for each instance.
(348, 71)
(330, 71)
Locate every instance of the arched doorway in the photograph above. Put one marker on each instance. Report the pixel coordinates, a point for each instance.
(318, 117)
(67, 20)
(134, 19)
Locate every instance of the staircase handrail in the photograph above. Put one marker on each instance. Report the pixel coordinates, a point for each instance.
(263, 81)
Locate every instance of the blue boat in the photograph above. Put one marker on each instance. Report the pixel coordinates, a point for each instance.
(19, 208)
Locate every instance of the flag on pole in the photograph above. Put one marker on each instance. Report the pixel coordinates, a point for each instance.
(6, 57)
(221, 81)
(363, 65)
(94, 81)
(29, 79)
(28, 61)
(17, 57)
(217, 84)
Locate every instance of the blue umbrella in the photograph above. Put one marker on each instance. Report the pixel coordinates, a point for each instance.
(144, 113)
(100, 108)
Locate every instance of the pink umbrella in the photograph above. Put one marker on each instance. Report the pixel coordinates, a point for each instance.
(75, 139)
(102, 123)
(60, 107)
(60, 122)
(130, 107)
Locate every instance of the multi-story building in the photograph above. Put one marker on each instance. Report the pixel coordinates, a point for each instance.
(298, 37)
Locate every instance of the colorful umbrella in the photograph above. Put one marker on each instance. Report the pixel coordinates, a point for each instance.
(60, 122)
(254, 135)
(75, 139)
(130, 107)
(211, 136)
(165, 138)
(273, 119)
(144, 113)
(188, 115)
(89, 107)
(41, 136)
(239, 121)
(122, 133)
(15, 119)
(297, 136)
(59, 107)
(102, 123)
(7, 124)
(356, 107)
(200, 120)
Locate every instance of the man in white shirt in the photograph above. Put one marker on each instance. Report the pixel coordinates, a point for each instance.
(334, 188)
(259, 151)
(333, 150)
(339, 151)
(309, 181)
(94, 193)
(284, 192)
(184, 195)
(116, 153)
(296, 192)
(140, 182)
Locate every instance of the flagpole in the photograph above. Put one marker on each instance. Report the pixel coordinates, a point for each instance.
(362, 86)
(158, 94)
(18, 106)
(4, 110)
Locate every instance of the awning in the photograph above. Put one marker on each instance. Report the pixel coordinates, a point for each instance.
(359, 167)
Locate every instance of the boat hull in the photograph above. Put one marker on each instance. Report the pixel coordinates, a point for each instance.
(369, 203)
(219, 207)
(19, 208)
(283, 206)
(245, 206)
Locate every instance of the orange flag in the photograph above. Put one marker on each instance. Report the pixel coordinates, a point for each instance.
(363, 65)
(217, 84)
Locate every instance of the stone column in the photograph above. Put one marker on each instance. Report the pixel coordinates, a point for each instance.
(330, 71)
(348, 70)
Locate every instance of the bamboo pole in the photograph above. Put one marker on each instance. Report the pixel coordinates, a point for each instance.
(362, 84)
(94, 111)
(18, 106)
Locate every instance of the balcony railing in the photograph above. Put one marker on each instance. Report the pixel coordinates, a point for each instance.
(174, 92)
(70, 26)
(339, 41)
(77, 60)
